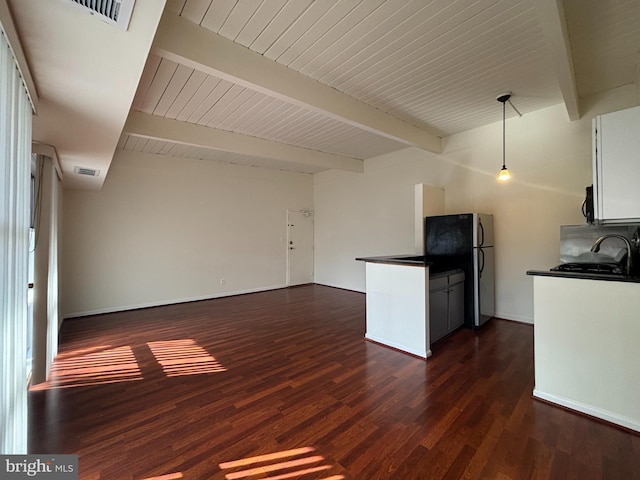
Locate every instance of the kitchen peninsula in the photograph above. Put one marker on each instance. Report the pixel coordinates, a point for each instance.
(398, 302)
(397, 286)
(587, 332)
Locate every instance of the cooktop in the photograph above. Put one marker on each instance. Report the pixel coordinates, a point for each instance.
(610, 268)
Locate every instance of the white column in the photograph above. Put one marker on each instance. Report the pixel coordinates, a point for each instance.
(428, 201)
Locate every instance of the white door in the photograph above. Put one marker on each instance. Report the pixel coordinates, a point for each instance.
(299, 247)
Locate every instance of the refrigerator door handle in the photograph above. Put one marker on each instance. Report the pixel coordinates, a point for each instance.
(481, 232)
(481, 252)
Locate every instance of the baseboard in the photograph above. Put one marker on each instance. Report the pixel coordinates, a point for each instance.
(339, 288)
(163, 303)
(607, 416)
(396, 346)
(513, 321)
(514, 318)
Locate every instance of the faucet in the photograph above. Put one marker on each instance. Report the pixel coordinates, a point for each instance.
(596, 247)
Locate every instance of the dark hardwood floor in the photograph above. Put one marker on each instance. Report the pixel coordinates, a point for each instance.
(282, 384)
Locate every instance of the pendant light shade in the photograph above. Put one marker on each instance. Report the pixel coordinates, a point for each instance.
(504, 172)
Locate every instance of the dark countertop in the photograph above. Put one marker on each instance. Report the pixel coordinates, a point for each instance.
(435, 267)
(584, 276)
(406, 259)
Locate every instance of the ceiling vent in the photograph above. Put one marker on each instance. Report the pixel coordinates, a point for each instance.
(114, 12)
(86, 171)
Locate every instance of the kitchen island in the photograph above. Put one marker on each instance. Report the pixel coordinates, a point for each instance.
(398, 302)
(587, 344)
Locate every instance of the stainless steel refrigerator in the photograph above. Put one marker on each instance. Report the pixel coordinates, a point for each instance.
(465, 241)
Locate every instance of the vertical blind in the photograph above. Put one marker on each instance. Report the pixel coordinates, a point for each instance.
(15, 168)
(46, 307)
(53, 306)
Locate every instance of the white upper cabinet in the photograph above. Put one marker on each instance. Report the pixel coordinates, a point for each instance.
(616, 166)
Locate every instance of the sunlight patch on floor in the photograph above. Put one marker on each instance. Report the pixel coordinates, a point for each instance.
(184, 357)
(287, 464)
(92, 366)
(169, 476)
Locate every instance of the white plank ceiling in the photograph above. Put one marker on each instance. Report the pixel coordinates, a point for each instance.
(348, 80)
(605, 40)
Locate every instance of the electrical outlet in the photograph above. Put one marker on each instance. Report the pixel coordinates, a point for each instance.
(222, 281)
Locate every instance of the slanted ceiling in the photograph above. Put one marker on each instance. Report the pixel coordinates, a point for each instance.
(315, 75)
(307, 85)
(429, 68)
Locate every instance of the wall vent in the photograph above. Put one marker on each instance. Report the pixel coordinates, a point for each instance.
(86, 171)
(114, 12)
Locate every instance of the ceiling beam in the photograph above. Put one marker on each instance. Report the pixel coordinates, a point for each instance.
(554, 26)
(189, 44)
(169, 130)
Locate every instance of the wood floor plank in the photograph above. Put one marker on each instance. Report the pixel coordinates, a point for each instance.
(284, 383)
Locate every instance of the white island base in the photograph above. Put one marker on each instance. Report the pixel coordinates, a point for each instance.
(587, 347)
(398, 307)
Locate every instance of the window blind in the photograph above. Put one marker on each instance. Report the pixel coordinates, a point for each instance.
(15, 165)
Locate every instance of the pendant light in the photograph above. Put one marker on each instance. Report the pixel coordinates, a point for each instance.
(504, 174)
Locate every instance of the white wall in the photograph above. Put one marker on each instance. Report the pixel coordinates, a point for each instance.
(372, 213)
(167, 229)
(364, 214)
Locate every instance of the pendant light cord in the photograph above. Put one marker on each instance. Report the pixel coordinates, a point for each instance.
(504, 173)
(503, 135)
